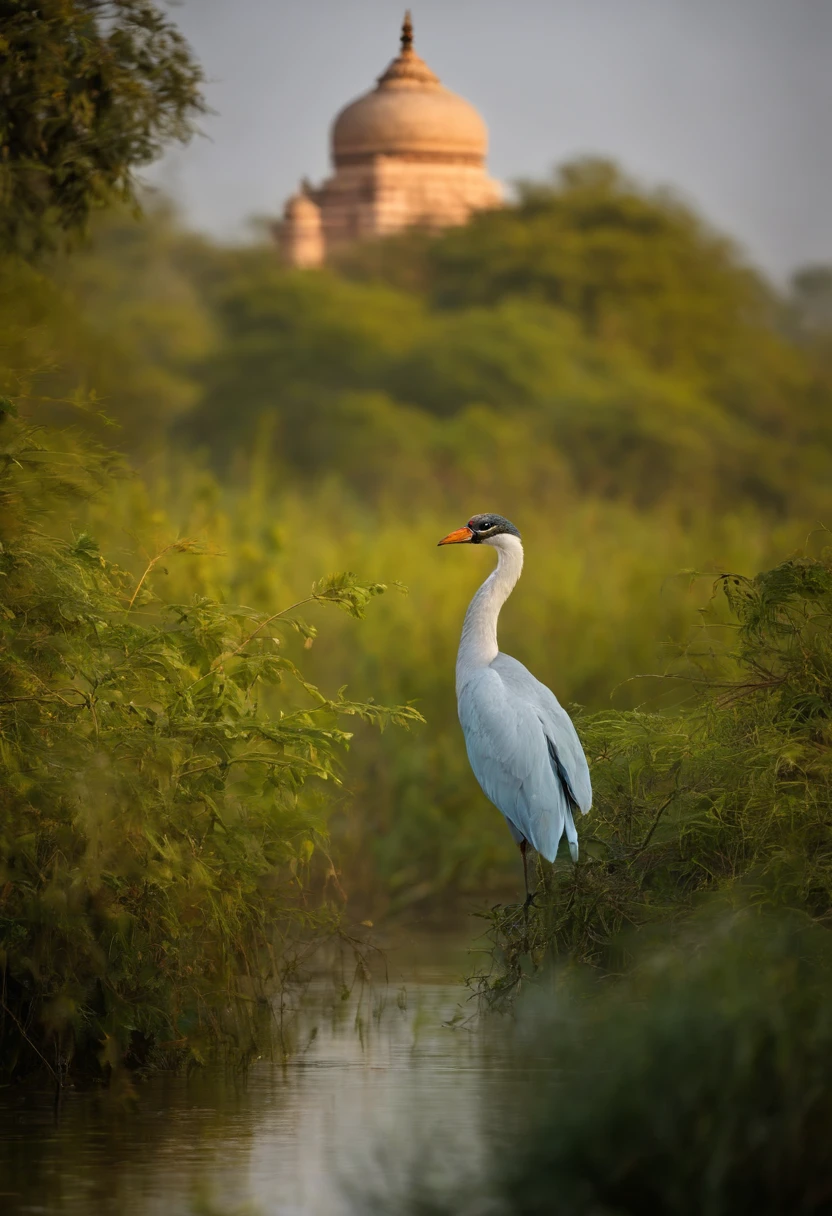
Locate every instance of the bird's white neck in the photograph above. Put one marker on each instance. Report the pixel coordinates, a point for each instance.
(478, 645)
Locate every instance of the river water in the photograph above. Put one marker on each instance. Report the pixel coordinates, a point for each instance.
(381, 1086)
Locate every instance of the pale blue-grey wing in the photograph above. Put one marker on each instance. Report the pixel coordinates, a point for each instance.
(509, 753)
(565, 746)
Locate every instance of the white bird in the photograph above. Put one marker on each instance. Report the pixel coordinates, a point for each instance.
(521, 743)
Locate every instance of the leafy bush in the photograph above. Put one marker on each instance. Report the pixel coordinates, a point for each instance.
(733, 793)
(700, 1085)
(159, 813)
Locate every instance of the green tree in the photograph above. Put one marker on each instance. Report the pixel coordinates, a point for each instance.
(634, 267)
(117, 323)
(89, 90)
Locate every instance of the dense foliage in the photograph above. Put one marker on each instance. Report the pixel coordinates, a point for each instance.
(684, 370)
(306, 421)
(89, 90)
(700, 1083)
(159, 814)
(730, 794)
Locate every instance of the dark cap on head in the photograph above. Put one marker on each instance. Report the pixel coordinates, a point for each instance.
(490, 524)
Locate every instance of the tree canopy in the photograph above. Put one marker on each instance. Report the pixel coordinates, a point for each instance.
(89, 91)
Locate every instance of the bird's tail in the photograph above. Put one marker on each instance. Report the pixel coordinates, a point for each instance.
(571, 833)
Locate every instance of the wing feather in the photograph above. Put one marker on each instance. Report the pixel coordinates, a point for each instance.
(521, 756)
(557, 725)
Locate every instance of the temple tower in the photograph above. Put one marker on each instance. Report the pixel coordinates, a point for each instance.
(408, 153)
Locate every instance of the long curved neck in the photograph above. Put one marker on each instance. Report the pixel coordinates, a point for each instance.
(478, 645)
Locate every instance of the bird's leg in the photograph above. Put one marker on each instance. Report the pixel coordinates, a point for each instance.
(530, 895)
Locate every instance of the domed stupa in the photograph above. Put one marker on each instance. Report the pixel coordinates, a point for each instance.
(408, 153)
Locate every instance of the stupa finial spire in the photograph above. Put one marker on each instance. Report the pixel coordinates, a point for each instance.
(407, 70)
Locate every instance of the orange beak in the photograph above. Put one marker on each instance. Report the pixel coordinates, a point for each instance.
(460, 537)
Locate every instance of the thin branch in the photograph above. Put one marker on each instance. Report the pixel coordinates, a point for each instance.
(150, 565)
(656, 819)
(34, 1046)
(176, 546)
(275, 615)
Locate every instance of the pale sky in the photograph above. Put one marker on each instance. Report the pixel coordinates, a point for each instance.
(727, 101)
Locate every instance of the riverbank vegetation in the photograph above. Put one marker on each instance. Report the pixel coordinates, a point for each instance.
(164, 852)
(164, 762)
(727, 795)
(697, 1083)
(638, 399)
(594, 362)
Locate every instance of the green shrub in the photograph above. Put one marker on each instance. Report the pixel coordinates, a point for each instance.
(699, 1085)
(733, 792)
(160, 793)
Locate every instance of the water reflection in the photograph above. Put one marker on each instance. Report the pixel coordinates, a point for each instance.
(381, 1069)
